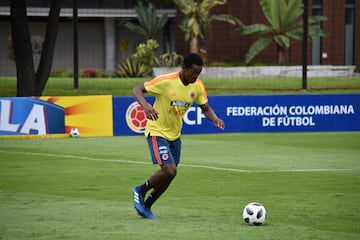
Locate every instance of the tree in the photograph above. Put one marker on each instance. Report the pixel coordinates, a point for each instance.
(285, 24)
(149, 24)
(29, 82)
(197, 19)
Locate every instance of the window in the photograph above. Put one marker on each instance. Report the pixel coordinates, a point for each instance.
(316, 41)
(349, 32)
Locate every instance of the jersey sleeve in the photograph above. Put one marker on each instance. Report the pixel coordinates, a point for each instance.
(158, 84)
(153, 86)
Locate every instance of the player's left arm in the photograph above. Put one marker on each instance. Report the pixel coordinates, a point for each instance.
(211, 115)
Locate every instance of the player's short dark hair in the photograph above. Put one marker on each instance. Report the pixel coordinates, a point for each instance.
(192, 59)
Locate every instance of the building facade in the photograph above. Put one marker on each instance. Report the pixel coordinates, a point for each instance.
(340, 47)
(104, 43)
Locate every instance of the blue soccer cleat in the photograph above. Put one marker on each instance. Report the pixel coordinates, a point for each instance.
(148, 214)
(139, 201)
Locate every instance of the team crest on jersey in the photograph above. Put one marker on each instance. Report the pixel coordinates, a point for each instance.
(163, 153)
(192, 95)
(165, 157)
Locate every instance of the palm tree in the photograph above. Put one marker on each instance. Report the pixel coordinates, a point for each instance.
(149, 24)
(197, 19)
(285, 24)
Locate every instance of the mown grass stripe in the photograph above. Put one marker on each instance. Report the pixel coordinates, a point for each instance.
(184, 165)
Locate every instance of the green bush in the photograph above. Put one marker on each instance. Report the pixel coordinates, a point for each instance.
(132, 68)
(169, 59)
(145, 54)
(61, 73)
(100, 73)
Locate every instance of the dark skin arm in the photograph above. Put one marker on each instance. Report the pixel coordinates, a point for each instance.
(150, 112)
(211, 115)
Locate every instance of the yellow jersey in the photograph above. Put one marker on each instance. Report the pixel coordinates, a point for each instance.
(172, 100)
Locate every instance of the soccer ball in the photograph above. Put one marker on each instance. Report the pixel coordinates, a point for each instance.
(254, 214)
(74, 132)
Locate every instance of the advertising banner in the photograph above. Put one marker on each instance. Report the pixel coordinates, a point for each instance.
(259, 113)
(129, 118)
(123, 116)
(92, 115)
(24, 116)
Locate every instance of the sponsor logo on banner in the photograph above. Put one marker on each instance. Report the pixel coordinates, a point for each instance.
(92, 115)
(135, 117)
(290, 116)
(21, 116)
(194, 116)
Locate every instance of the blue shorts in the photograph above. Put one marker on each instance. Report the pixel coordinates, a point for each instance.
(163, 151)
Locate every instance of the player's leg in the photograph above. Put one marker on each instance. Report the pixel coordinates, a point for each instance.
(160, 181)
(162, 178)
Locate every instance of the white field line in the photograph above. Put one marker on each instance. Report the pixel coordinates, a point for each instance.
(184, 165)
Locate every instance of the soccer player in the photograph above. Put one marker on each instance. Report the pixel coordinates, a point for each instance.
(174, 94)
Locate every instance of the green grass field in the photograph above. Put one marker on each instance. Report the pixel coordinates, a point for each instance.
(81, 188)
(215, 86)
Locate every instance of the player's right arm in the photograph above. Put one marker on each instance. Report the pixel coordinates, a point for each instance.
(211, 115)
(150, 112)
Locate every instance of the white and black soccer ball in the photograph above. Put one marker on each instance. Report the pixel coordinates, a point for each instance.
(74, 132)
(254, 214)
